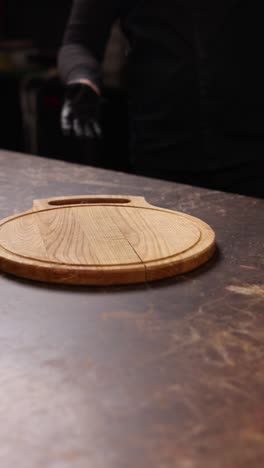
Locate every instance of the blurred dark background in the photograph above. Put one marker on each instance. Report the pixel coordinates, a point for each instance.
(31, 93)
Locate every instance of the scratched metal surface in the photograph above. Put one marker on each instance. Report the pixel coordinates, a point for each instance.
(164, 375)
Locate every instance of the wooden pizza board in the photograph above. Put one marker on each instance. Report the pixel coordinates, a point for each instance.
(102, 240)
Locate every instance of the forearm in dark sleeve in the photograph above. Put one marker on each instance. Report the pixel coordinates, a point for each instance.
(85, 39)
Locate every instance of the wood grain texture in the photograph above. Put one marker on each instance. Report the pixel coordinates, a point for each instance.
(102, 240)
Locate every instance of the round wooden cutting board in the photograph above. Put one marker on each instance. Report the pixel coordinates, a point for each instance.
(101, 240)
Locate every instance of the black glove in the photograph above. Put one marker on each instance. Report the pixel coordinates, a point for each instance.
(80, 112)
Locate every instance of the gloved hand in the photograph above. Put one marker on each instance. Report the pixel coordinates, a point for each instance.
(80, 112)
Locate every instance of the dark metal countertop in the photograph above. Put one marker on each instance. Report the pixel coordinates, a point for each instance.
(163, 375)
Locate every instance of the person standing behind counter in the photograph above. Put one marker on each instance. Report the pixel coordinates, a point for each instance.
(194, 83)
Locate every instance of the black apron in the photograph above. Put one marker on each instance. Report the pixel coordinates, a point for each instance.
(195, 82)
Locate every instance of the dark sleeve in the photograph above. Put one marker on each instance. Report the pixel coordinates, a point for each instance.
(85, 38)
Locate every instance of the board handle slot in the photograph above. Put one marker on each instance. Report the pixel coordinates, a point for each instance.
(89, 201)
(50, 203)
